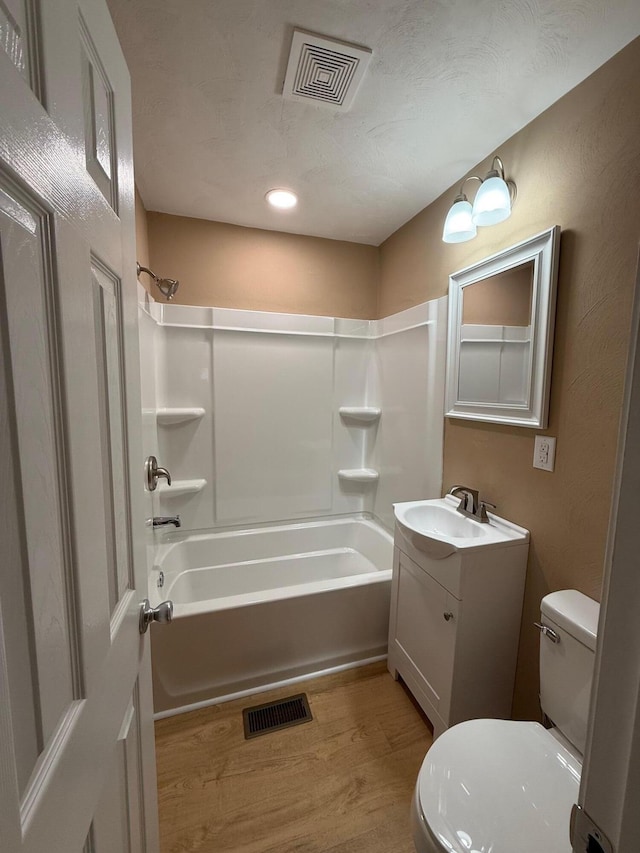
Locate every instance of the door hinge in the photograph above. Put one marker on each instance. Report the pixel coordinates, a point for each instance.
(585, 836)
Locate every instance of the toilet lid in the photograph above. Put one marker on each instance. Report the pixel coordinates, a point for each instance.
(498, 786)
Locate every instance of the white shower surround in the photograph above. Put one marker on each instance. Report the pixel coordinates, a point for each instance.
(282, 567)
(271, 440)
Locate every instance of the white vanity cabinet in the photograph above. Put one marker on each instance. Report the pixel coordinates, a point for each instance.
(454, 627)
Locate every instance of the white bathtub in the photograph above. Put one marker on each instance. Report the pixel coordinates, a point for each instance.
(257, 607)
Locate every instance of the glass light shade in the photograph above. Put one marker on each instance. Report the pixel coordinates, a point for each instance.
(458, 225)
(282, 199)
(492, 203)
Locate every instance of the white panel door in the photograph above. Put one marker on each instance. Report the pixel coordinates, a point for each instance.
(611, 771)
(77, 769)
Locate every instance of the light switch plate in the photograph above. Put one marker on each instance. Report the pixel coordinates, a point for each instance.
(544, 452)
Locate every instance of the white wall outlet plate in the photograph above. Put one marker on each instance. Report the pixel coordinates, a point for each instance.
(544, 452)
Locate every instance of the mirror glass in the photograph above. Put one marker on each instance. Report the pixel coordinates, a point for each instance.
(495, 338)
(500, 334)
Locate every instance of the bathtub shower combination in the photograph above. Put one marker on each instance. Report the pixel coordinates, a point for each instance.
(288, 438)
(260, 606)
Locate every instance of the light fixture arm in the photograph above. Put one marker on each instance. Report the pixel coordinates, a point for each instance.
(461, 194)
(499, 173)
(497, 160)
(492, 173)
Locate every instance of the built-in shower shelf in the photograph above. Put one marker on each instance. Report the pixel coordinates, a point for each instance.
(168, 417)
(358, 475)
(362, 414)
(181, 487)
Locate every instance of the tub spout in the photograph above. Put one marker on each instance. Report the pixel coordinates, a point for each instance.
(166, 520)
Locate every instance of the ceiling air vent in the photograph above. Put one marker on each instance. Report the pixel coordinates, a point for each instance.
(324, 70)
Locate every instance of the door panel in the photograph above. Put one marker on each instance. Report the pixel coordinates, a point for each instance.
(48, 586)
(115, 827)
(18, 38)
(110, 369)
(99, 120)
(22, 725)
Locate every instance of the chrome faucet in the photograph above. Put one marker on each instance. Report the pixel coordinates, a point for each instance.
(166, 520)
(470, 503)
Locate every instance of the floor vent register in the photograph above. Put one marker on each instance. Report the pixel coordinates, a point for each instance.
(272, 716)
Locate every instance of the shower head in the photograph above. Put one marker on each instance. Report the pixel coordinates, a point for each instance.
(166, 286)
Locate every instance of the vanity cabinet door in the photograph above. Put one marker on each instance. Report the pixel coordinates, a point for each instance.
(423, 624)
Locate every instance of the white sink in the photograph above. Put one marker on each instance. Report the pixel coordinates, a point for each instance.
(439, 530)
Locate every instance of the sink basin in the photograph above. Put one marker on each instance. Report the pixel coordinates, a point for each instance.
(439, 530)
(425, 517)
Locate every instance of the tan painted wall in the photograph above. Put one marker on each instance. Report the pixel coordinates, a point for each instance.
(577, 165)
(233, 267)
(142, 239)
(500, 300)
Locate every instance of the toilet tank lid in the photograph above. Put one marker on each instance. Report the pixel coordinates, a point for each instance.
(575, 613)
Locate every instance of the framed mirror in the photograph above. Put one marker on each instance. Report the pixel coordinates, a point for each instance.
(501, 322)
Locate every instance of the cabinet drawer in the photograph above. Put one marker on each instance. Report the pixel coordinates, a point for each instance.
(421, 630)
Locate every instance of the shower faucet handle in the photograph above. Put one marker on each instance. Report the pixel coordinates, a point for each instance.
(153, 472)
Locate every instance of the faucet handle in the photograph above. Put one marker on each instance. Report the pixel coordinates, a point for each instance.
(482, 510)
(468, 498)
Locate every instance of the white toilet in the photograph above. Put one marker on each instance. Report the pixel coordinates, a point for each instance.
(499, 786)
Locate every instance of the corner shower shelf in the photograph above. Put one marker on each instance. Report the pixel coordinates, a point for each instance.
(181, 487)
(358, 475)
(167, 417)
(363, 414)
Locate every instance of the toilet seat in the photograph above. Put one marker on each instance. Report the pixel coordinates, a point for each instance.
(496, 785)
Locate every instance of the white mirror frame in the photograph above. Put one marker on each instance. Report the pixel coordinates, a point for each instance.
(543, 251)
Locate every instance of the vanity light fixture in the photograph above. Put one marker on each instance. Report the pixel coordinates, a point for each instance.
(282, 199)
(491, 205)
(459, 225)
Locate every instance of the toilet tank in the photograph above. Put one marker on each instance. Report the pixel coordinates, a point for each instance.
(566, 666)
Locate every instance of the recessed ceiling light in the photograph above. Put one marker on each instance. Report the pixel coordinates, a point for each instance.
(282, 199)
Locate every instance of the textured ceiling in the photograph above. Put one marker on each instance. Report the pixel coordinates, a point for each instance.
(448, 82)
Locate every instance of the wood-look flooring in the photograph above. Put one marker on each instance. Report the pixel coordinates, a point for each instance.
(342, 783)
